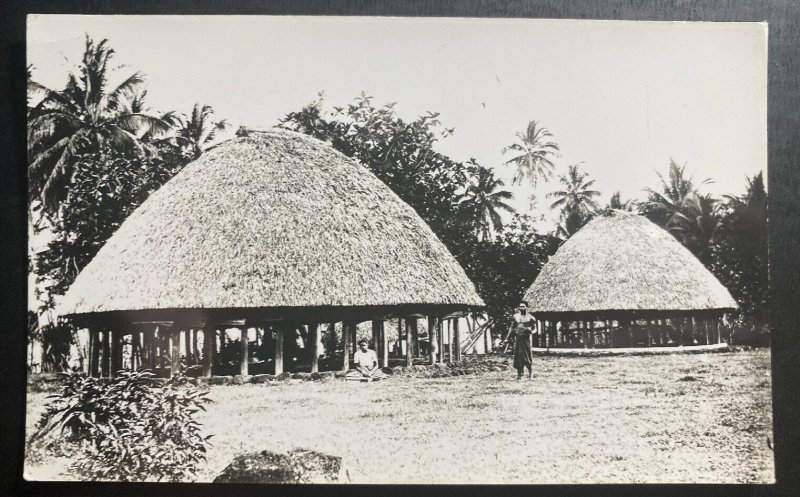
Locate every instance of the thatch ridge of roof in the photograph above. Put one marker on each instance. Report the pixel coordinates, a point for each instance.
(272, 219)
(622, 261)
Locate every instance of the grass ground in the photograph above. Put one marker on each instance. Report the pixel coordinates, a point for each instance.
(677, 418)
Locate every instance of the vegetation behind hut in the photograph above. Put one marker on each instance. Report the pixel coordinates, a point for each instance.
(728, 235)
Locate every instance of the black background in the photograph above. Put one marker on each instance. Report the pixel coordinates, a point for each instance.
(783, 175)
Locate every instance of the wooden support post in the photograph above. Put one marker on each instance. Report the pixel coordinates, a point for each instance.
(409, 345)
(411, 328)
(116, 352)
(333, 341)
(384, 346)
(487, 337)
(440, 338)
(244, 352)
(400, 337)
(136, 351)
(152, 352)
(353, 338)
(175, 352)
(346, 334)
(719, 332)
(280, 333)
(105, 358)
(209, 344)
(94, 357)
(432, 339)
(449, 338)
(376, 339)
(457, 340)
(313, 335)
(195, 348)
(187, 346)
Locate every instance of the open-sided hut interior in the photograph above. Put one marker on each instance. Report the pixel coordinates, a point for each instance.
(621, 281)
(267, 232)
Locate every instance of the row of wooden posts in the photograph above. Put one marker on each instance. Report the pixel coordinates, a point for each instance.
(152, 342)
(626, 333)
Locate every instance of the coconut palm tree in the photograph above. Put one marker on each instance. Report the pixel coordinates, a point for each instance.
(616, 203)
(575, 199)
(483, 200)
(79, 119)
(533, 151)
(662, 204)
(198, 131)
(680, 209)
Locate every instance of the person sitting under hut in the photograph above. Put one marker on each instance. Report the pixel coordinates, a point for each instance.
(365, 361)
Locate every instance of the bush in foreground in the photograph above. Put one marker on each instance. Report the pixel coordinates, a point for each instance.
(132, 428)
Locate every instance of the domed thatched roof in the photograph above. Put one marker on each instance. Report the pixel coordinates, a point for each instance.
(273, 219)
(622, 262)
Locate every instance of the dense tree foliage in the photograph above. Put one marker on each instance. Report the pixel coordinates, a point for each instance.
(458, 200)
(96, 153)
(739, 250)
(402, 155)
(504, 267)
(132, 428)
(678, 206)
(728, 235)
(106, 187)
(81, 118)
(575, 200)
(483, 200)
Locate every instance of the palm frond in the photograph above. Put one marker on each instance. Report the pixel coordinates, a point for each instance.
(122, 140)
(54, 188)
(39, 169)
(52, 124)
(125, 91)
(142, 124)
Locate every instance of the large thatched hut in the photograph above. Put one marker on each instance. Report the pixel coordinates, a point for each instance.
(623, 281)
(270, 230)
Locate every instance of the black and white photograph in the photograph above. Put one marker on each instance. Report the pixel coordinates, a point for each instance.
(397, 250)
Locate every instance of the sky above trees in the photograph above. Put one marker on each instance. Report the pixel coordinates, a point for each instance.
(623, 98)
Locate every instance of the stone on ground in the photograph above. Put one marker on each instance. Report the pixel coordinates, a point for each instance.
(297, 466)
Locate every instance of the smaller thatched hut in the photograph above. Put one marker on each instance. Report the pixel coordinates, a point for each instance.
(623, 281)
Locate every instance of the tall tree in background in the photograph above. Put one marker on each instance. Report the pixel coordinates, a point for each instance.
(503, 267)
(739, 251)
(198, 130)
(532, 153)
(576, 200)
(681, 209)
(401, 154)
(81, 118)
(617, 203)
(95, 154)
(483, 200)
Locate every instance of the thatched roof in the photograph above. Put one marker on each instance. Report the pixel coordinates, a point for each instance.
(621, 261)
(271, 219)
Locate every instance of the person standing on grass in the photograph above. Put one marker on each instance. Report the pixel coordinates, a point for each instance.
(522, 327)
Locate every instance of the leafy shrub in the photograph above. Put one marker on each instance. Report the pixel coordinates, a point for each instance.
(131, 428)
